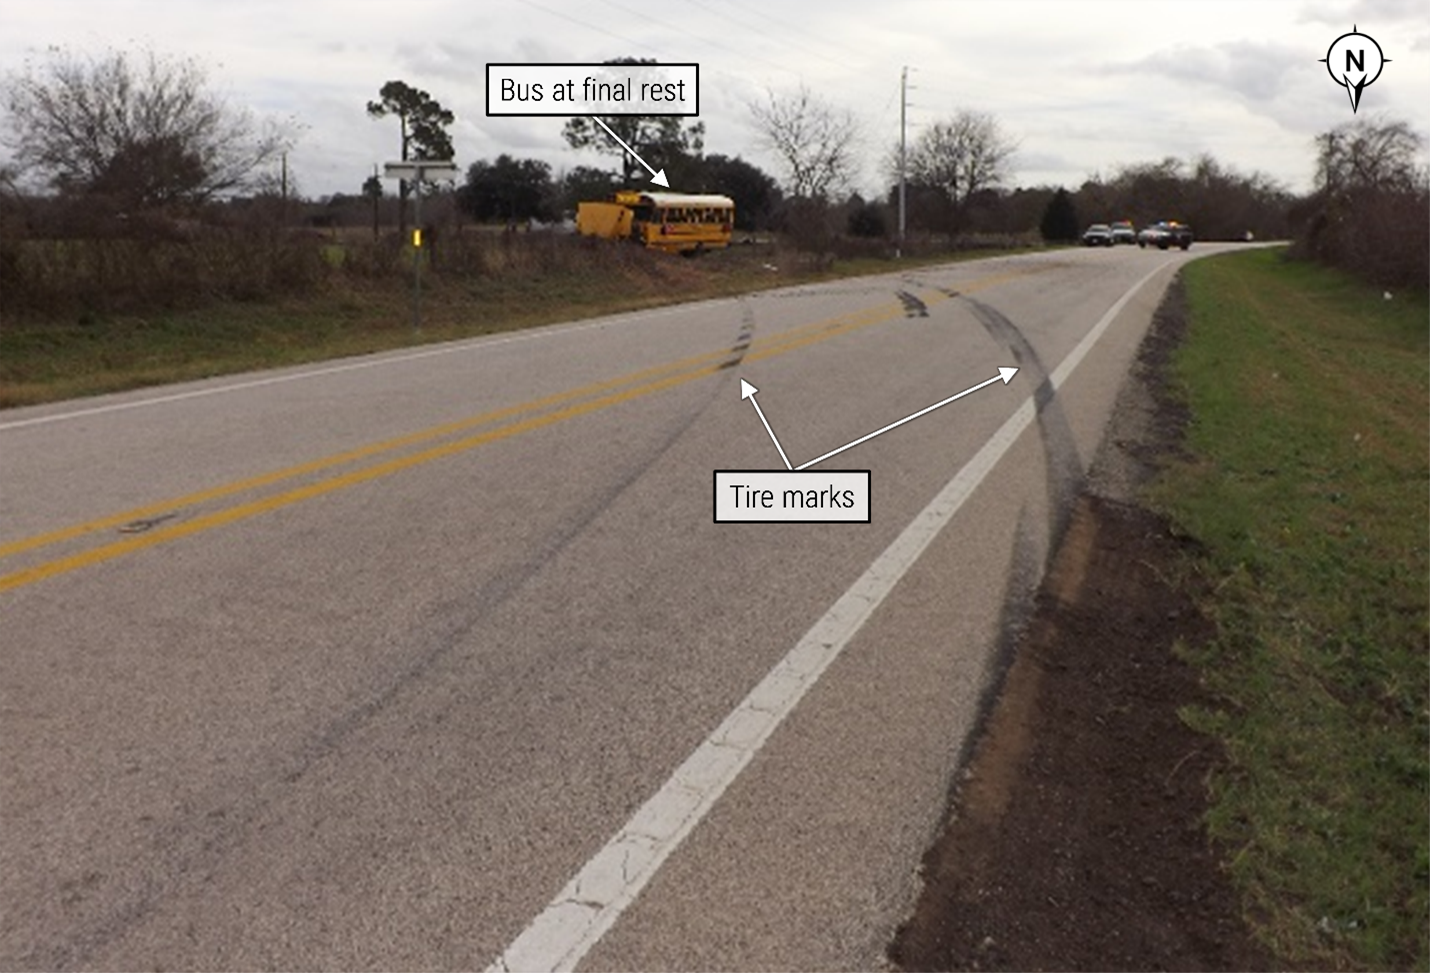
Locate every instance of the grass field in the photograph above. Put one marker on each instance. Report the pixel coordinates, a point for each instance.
(1309, 487)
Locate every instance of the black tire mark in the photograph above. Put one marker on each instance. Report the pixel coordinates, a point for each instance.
(745, 336)
(198, 838)
(1064, 476)
(914, 307)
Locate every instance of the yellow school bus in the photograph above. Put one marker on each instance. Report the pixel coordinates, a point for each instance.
(673, 222)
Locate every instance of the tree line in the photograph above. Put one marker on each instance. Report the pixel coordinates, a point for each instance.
(136, 134)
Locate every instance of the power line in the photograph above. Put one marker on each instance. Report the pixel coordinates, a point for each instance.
(641, 44)
(582, 23)
(704, 40)
(631, 42)
(802, 31)
(685, 33)
(777, 38)
(844, 81)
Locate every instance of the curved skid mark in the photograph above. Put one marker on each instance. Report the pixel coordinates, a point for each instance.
(1063, 462)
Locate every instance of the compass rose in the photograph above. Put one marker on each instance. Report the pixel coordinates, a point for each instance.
(1358, 59)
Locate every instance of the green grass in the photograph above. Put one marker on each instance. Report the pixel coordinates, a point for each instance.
(89, 353)
(1310, 488)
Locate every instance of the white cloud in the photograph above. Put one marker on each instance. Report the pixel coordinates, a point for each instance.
(1258, 72)
(1369, 13)
(1083, 87)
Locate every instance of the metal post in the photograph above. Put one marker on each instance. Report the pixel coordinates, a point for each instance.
(417, 256)
(903, 149)
(418, 173)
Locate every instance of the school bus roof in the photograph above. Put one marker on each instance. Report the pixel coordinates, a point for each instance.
(685, 199)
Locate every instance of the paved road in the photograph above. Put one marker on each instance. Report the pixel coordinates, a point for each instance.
(437, 660)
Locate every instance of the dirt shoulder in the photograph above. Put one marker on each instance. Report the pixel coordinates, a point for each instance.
(1075, 839)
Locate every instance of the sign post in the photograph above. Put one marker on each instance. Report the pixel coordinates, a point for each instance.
(416, 173)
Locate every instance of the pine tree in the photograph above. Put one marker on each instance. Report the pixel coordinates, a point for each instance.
(1060, 223)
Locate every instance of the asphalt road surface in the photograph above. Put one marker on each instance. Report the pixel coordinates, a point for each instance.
(437, 659)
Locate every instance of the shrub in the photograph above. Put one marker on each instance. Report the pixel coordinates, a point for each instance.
(1380, 235)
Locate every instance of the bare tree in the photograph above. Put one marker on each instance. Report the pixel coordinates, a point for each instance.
(141, 129)
(1369, 154)
(962, 156)
(816, 141)
(1367, 215)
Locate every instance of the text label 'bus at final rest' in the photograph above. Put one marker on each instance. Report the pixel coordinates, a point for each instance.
(543, 90)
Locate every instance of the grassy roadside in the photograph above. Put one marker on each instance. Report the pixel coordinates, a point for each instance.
(89, 354)
(1307, 483)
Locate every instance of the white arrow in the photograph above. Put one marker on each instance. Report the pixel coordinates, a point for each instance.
(1004, 375)
(656, 177)
(747, 391)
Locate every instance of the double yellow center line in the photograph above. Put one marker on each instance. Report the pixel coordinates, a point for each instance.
(564, 405)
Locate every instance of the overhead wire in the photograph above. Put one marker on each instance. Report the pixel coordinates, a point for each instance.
(632, 42)
(802, 31)
(582, 23)
(703, 37)
(777, 38)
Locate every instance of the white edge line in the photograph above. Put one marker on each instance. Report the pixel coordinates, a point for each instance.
(583, 911)
(375, 361)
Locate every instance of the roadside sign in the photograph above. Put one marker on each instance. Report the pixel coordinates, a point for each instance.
(420, 171)
(427, 169)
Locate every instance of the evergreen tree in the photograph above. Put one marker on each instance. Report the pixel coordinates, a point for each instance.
(507, 189)
(663, 141)
(424, 123)
(1060, 222)
(755, 192)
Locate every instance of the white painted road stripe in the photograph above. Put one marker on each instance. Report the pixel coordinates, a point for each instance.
(446, 348)
(591, 902)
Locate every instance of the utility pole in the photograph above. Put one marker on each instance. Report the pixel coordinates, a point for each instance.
(903, 152)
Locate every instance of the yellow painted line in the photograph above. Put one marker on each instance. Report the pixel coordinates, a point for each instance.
(364, 452)
(243, 511)
(783, 343)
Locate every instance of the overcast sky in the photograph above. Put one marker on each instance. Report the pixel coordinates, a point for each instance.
(1083, 87)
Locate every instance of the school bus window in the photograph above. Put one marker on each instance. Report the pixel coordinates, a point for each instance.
(674, 222)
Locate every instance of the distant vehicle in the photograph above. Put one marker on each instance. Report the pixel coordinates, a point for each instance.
(673, 222)
(1097, 235)
(1166, 233)
(1124, 232)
